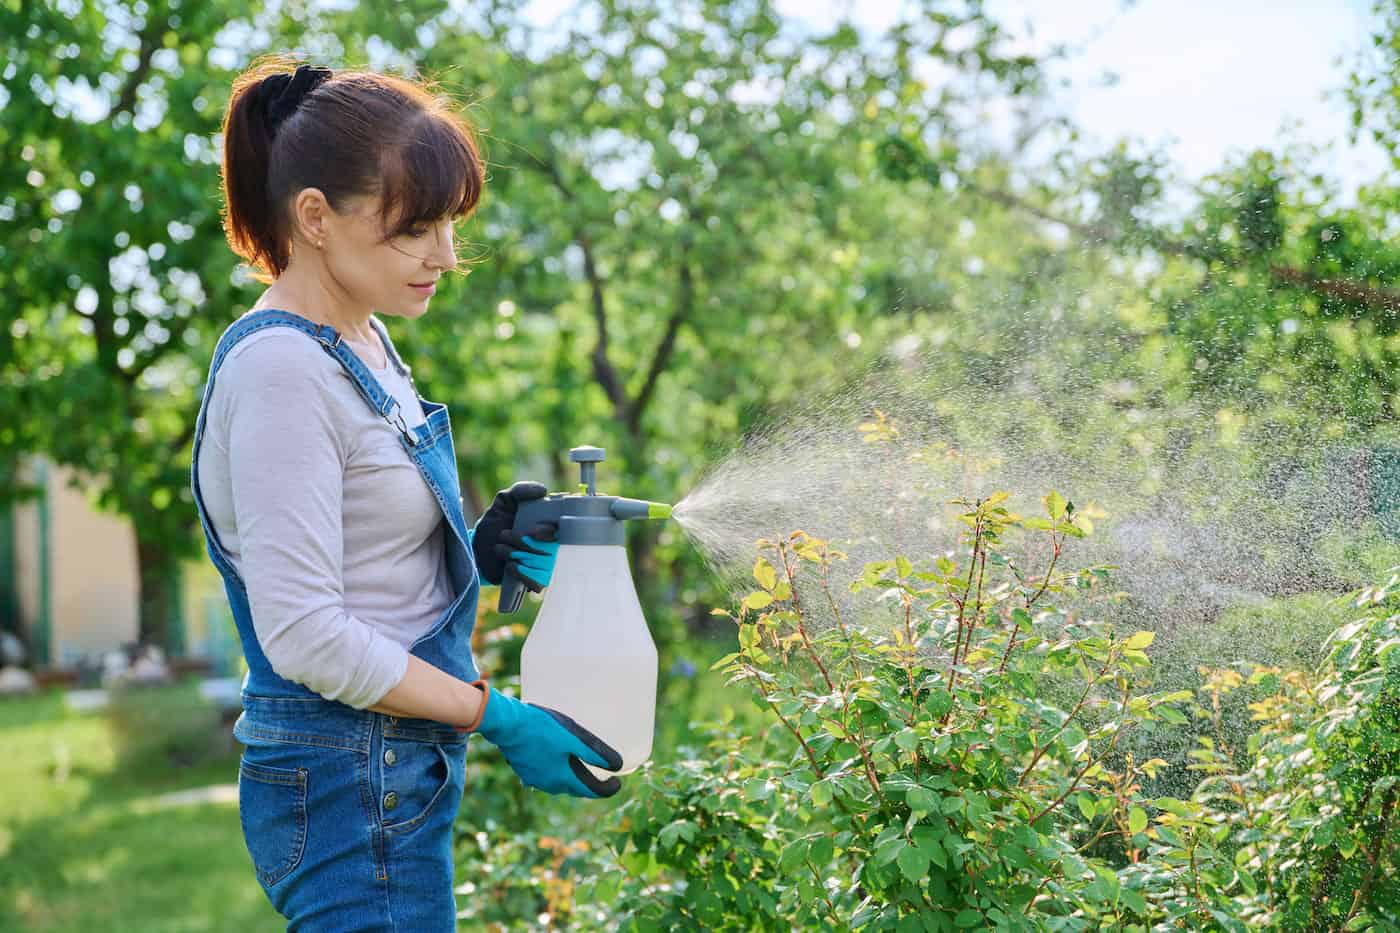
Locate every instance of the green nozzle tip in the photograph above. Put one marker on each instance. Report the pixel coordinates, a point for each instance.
(658, 510)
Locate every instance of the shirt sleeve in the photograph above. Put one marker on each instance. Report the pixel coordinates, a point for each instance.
(287, 469)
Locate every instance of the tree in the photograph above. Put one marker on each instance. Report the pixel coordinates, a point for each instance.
(673, 204)
(679, 199)
(111, 253)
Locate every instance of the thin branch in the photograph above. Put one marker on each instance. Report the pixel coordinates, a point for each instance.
(1376, 298)
(1374, 856)
(801, 629)
(812, 758)
(156, 27)
(1088, 688)
(1074, 784)
(1369, 296)
(685, 305)
(821, 886)
(603, 369)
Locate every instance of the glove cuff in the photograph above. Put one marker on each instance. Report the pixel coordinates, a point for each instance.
(481, 712)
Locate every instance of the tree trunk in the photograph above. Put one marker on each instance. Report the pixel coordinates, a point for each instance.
(156, 569)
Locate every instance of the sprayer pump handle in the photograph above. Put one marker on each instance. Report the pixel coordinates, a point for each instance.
(512, 592)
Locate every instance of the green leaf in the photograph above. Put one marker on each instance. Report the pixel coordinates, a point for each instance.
(967, 919)
(1022, 619)
(931, 848)
(758, 600)
(1139, 641)
(902, 566)
(723, 661)
(888, 850)
(921, 798)
(1171, 715)
(913, 863)
(938, 701)
(1055, 505)
(1134, 901)
(794, 854)
(765, 574)
(820, 793)
(676, 832)
(874, 570)
(1086, 805)
(1137, 819)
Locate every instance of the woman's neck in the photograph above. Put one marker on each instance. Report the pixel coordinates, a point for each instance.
(309, 299)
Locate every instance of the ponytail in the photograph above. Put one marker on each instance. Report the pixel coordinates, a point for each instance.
(251, 222)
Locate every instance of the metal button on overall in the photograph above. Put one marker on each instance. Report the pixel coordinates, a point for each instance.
(391, 800)
(390, 757)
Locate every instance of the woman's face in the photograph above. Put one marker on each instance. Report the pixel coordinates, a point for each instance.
(378, 274)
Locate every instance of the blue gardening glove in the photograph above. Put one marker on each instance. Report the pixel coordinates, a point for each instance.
(545, 748)
(531, 555)
(494, 542)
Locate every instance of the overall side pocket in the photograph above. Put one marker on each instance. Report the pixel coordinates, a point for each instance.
(272, 811)
(420, 778)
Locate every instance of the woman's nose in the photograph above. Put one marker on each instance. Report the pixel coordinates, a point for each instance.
(444, 250)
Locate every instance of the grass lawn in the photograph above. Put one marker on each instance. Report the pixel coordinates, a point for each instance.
(83, 848)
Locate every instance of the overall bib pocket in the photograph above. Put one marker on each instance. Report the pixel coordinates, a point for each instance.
(272, 811)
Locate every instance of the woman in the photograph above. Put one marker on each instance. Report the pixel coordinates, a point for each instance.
(327, 490)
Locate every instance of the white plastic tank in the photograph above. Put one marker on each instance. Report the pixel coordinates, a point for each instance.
(590, 654)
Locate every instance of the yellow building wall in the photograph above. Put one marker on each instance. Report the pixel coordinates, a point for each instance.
(95, 584)
(94, 588)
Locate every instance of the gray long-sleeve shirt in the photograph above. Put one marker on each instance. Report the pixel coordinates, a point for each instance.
(329, 523)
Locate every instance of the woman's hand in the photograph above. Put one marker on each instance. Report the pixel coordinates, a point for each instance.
(545, 748)
(496, 545)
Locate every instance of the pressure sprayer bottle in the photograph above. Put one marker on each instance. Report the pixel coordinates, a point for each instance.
(590, 654)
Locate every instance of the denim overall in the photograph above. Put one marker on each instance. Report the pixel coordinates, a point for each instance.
(348, 813)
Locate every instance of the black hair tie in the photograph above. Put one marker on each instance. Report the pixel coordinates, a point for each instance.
(281, 94)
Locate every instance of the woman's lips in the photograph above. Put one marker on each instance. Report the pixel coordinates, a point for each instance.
(424, 289)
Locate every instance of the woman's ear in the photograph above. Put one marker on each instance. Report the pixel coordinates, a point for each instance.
(311, 216)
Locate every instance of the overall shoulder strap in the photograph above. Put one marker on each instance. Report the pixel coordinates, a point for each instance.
(403, 368)
(379, 400)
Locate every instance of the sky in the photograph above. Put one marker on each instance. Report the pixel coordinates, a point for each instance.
(1205, 77)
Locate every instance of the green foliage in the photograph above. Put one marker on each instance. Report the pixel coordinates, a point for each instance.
(111, 252)
(1284, 634)
(1306, 835)
(914, 777)
(972, 764)
(633, 250)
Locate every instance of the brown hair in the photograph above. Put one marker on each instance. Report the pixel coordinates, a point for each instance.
(357, 133)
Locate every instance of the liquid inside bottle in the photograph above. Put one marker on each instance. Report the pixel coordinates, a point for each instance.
(590, 654)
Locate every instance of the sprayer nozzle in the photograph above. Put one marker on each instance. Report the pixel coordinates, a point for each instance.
(639, 508)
